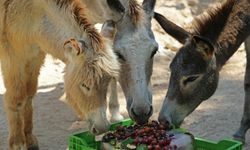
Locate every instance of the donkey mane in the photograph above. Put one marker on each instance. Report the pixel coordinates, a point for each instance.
(80, 17)
(102, 62)
(135, 11)
(210, 23)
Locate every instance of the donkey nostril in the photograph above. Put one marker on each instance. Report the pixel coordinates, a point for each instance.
(164, 119)
(133, 112)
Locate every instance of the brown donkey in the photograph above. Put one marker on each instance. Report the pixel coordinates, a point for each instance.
(30, 29)
(213, 39)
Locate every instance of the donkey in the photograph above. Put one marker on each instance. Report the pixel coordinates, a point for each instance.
(30, 29)
(135, 47)
(213, 38)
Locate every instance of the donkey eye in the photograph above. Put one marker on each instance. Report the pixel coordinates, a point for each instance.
(120, 56)
(154, 52)
(190, 79)
(86, 87)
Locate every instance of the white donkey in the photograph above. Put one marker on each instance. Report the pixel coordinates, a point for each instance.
(31, 28)
(135, 46)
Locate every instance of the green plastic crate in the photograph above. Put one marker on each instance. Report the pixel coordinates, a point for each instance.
(86, 141)
(227, 144)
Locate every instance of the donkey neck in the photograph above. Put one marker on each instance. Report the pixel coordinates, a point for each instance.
(234, 33)
(210, 23)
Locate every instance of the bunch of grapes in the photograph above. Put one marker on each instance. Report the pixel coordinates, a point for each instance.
(153, 135)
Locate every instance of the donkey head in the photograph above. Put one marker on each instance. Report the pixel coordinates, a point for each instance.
(87, 75)
(135, 47)
(194, 75)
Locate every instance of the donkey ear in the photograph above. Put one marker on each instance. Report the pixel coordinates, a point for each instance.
(109, 29)
(203, 46)
(172, 29)
(116, 5)
(148, 6)
(73, 46)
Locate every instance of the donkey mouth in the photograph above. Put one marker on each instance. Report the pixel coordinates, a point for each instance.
(97, 131)
(141, 118)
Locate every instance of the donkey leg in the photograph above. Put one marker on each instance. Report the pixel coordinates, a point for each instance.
(33, 69)
(14, 102)
(114, 107)
(245, 122)
(31, 140)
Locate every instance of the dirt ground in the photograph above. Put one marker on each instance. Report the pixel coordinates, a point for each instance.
(215, 119)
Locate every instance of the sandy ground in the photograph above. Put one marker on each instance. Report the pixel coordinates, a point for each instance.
(215, 119)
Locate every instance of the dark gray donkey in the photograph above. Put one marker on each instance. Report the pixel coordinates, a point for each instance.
(213, 38)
